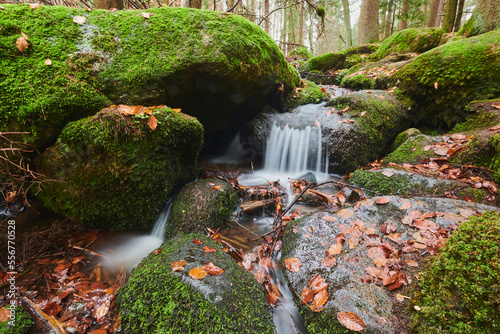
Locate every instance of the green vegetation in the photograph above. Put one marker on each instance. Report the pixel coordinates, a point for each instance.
(460, 290)
(309, 93)
(358, 82)
(403, 136)
(22, 324)
(325, 62)
(158, 300)
(409, 40)
(202, 204)
(301, 52)
(117, 173)
(412, 150)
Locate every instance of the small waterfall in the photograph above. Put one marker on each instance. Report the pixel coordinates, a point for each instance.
(295, 150)
(158, 230)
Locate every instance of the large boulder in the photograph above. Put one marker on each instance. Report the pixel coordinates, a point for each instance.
(218, 67)
(443, 80)
(366, 255)
(201, 204)
(112, 171)
(157, 299)
(485, 17)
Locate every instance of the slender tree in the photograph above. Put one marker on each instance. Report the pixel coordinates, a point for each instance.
(266, 15)
(485, 17)
(449, 18)
(388, 19)
(347, 22)
(108, 4)
(405, 11)
(368, 22)
(460, 11)
(433, 13)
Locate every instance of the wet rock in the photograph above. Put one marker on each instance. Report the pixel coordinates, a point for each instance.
(412, 150)
(308, 92)
(403, 136)
(368, 244)
(201, 204)
(114, 172)
(157, 299)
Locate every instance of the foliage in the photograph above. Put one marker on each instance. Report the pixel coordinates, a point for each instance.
(459, 292)
(22, 324)
(308, 93)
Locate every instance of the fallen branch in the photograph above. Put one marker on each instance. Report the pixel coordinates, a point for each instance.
(43, 322)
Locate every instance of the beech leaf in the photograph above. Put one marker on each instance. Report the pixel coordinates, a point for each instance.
(383, 200)
(152, 122)
(197, 273)
(34, 5)
(197, 241)
(345, 213)
(146, 15)
(293, 264)
(48, 62)
(212, 269)
(4, 314)
(329, 262)
(209, 249)
(79, 19)
(101, 311)
(307, 295)
(335, 249)
(22, 43)
(351, 321)
(319, 300)
(178, 265)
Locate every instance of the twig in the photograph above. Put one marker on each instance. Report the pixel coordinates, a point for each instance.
(88, 251)
(234, 6)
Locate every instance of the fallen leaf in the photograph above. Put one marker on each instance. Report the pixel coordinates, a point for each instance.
(436, 85)
(209, 249)
(406, 205)
(353, 242)
(101, 311)
(22, 43)
(178, 265)
(412, 263)
(48, 62)
(319, 300)
(217, 187)
(400, 297)
(329, 262)
(272, 298)
(197, 273)
(152, 122)
(146, 15)
(383, 200)
(212, 269)
(396, 237)
(4, 314)
(197, 241)
(293, 264)
(416, 307)
(307, 295)
(391, 278)
(329, 218)
(400, 280)
(34, 5)
(345, 213)
(340, 238)
(317, 283)
(387, 228)
(79, 19)
(335, 249)
(388, 172)
(157, 251)
(375, 272)
(351, 321)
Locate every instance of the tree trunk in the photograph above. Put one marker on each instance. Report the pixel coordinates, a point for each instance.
(449, 18)
(441, 13)
(405, 10)
(368, 22)
(230, 4)
(383, 18)
(108, 4)
(460, 11)
(433, 14)
(194, 4)
(347, 22)
(266, 13)
(485, 17)
(301, 24)
(388, 20)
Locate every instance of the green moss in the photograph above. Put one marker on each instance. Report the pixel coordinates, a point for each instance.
(22, 324)
(325, 62)
(459, 291)
(412, 151)
(397, 184)
(403, 136)
(310, 93)
(157, 300)
(117, 173)
(472, 72)
(358, 82)
(301, 52)
(202, 204)
(409, 40)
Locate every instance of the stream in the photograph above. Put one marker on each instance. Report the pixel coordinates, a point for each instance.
(293, 150)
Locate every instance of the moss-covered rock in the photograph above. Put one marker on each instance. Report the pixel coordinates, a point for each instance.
(358, 82)
(409, 40)
(485, 18)
(309, 92)
(364, 132)
(22, 323)
(412, 150)
(403, 136)
(201, 204)
(443, 80)
(325, 62)
(459, 291)
(220, 68)
(300, 53)
(114, 172)
(158, 300)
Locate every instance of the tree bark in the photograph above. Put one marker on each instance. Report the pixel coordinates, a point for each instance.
(433, 13)
(368, 22)
(108, 4)
(460, 11)
(388, 20)
(266, 15)
(194, 4)
(449, 18)
(230, 4)
(405, 10)
(383, 18)
(441, 13)
(347, 22)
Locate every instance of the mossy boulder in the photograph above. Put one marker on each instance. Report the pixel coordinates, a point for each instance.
(403, 136)
(220, 68)
(365, 131)
(459, 291)
(201, 204)
(158, 300)
(416, 40)
(308, 93)
(308, 238)
(412, 150)
(443, 80)
(325, 62)
(113, 171)
(485, 17)
(300, 53)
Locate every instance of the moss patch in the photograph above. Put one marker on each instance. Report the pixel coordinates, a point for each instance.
(157, 300)
(201, 204)
(358, 82)
(308, 93)
(459, 292)
(412, 150)
(116, 172)
(22, 324)
(325, 62)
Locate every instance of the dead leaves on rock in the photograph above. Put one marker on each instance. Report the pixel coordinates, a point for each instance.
(293, 264)
(315, 292)
(351, 321)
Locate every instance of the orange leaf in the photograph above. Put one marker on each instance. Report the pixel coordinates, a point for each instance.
(412, 263)
(319, 300)
(293, 264)
(146, 15)
(272, 298)
(351, 321)
(4, 314)
(178, 265)
(307, 295)
(22, 43)
(335, 249)
(383, 200)
(197, 273)
(345, 213)
(176, 109)
(317, 283)
(212, 269)
(152, 122)
(209, 249)
(329, 218)
(34, 5)
(48, 62)
(329, 262)
(396, 237)
(101, 311)
(197, 241)
(79, 19)
(352, 243)
(406, 205)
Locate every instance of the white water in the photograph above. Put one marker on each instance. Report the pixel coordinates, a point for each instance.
(131, 250)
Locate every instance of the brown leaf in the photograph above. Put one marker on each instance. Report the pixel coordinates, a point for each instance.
(387, 228)
(406, 205)
(375, 272)
(101, 311)
(197, 241)
(272, 298)
(212, 269)
(345, 213)
(319, 300)
(353, 242)
(34, 5)
(329, 218)
(388, 172)
(209, 249)
(317, 283)
(340, 238)
(351, 321)
(79, 19)
(396, 237)
(197, 273)
(307, 295)
(383, 200)
(293, 264)
(4, 314)
(412, 263)
(157, 251)
(48, 62)
(400, 280)
(152, 122)
(436, 85)
(329, 262)
(146, 15)
(391, 278)
(178, 265)
(335, 249)
(22, 43)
